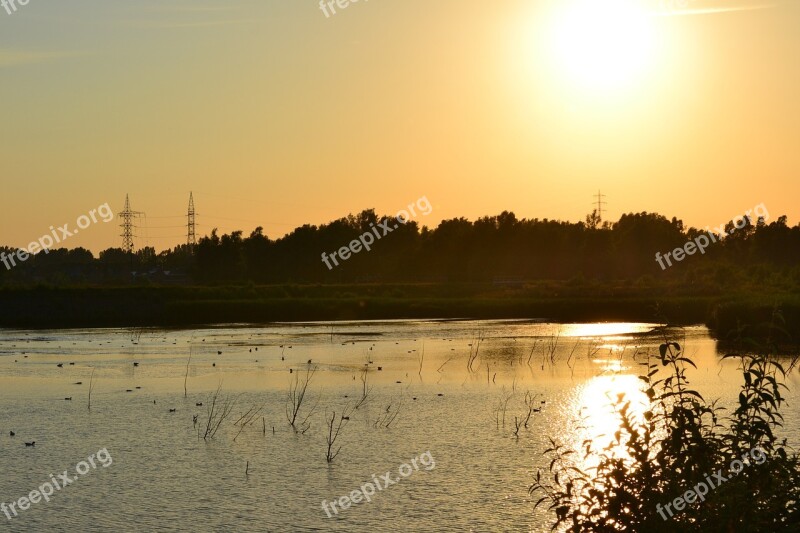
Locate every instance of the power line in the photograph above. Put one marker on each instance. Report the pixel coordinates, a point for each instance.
(191, 238)
(141, 231)
(599, 204)
(166, 227)
(128, 225)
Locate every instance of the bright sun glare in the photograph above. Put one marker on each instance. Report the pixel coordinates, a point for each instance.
(602, 44)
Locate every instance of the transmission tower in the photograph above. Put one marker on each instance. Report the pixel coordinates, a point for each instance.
(127, 226)
(191, 238)
(600, 203)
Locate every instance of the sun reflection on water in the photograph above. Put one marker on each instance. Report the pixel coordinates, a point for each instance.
(600, 421)
(606, 329)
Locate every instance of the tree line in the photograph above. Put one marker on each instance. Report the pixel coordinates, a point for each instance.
(499, 249)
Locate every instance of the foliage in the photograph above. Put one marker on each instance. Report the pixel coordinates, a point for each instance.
(500, 247)
(680, 440)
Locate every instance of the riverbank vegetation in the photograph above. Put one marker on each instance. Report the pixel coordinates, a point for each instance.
(494, 267)
(570, 301)
(682, 461)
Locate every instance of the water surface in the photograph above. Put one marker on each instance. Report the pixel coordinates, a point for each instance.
(164, 477)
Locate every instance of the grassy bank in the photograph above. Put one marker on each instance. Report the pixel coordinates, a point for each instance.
(47, 307)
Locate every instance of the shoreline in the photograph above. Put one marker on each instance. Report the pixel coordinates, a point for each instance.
(184, 306)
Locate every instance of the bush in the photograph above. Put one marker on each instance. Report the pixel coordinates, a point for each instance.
(679, 443)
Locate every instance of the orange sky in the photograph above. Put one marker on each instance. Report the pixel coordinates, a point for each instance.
(275, 115)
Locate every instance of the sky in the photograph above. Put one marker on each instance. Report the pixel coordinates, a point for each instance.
(276, 114)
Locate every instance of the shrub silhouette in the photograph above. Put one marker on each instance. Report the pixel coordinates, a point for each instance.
(679, 441)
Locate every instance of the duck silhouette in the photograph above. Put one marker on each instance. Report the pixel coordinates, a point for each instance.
(30, 444)
(11, 433)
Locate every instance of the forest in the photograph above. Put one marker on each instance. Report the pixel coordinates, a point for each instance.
(498, 249)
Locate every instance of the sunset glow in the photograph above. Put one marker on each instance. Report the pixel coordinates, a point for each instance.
(603, 45)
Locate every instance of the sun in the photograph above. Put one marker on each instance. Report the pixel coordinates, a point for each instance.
(602, 44)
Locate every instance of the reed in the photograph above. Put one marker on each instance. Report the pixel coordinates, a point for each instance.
(248, 418)
(389, 414)
(502, 407)
(333, 434)
(474, 349)
(91, 387)
(529, 404)
(218, 410)
(186, 375)
(298, 388)
(365, 388)
(421, 358)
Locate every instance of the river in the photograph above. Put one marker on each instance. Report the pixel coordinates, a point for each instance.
(441, 400)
